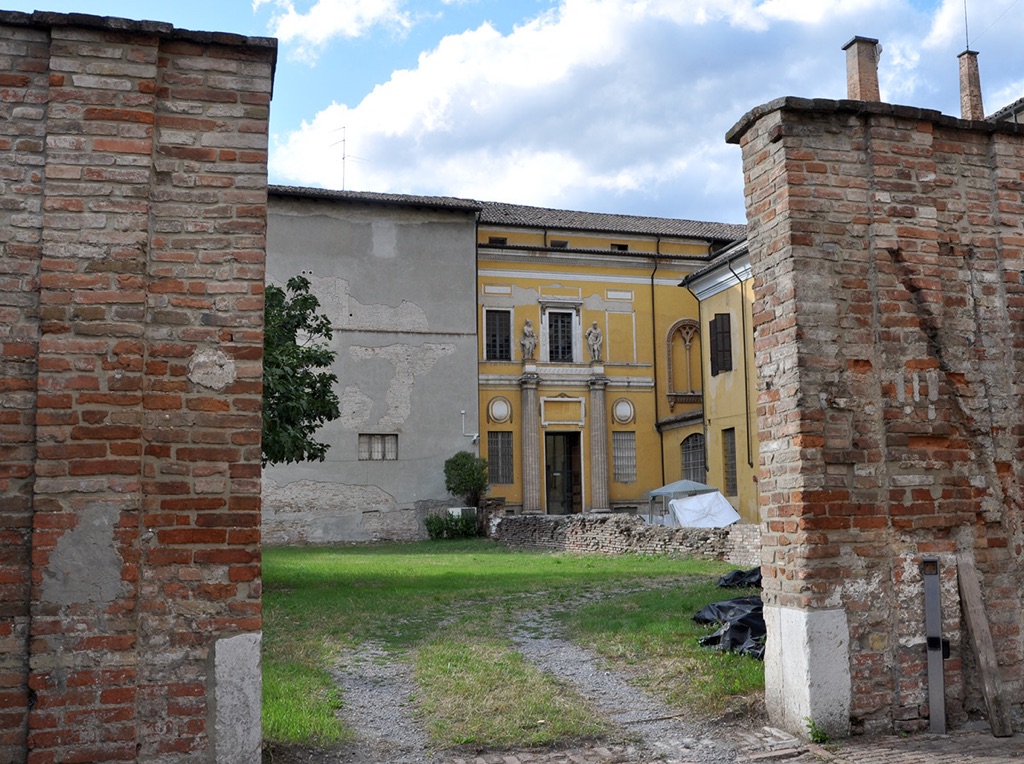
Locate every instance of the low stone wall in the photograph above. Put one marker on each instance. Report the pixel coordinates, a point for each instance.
(620, 534)
(743, 545)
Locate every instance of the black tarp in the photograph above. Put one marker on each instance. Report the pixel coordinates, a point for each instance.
(739, 579)
(742, 618)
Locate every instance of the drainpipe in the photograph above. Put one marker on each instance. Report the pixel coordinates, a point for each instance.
(654, 349)
(479, 312)
(746, 375)
(703, 385)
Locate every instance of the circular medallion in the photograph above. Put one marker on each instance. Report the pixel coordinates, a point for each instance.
(499, 410)
(622, 411)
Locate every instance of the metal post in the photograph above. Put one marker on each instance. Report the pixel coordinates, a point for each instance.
(933, 634)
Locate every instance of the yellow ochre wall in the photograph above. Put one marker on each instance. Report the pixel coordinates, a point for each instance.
(732, 399)
(635, 298)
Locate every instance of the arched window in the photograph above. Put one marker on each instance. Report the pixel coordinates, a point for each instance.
(684, 383)
(692, 449)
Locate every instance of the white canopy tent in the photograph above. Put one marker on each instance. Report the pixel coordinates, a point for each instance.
(689, 504)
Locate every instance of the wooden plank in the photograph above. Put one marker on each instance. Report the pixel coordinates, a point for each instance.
(973, 607)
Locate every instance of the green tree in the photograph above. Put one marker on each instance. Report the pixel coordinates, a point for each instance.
(297, 397)
(465, 475)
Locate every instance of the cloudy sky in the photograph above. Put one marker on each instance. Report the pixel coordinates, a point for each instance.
(597, 105)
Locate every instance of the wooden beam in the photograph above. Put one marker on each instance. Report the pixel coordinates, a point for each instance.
(973, 607)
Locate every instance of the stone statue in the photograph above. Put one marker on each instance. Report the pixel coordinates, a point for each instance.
(594, 341)
(529, 341)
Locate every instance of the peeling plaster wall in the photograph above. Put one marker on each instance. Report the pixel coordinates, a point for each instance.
(399, 286)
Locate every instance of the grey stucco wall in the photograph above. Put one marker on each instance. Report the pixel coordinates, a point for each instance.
(399, 284)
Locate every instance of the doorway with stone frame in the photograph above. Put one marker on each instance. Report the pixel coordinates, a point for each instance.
(563, 484)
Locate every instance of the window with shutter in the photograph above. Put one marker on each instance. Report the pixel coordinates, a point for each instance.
(720, 329)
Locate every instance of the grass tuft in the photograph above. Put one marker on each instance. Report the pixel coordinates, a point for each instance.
(483, 693)
(300, 704)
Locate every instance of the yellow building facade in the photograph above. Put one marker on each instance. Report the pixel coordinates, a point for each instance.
(724, 290)
(591, 386)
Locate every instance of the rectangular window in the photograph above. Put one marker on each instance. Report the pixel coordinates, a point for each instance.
(624, 457)
(620, 248)
(378, 448)
(499, 458)
(720, 329)
(729, 460)
(498, 335)
(559, 336)
(559, 243)
(497, 241)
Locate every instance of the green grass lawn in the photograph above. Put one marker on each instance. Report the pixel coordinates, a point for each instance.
(446, 606)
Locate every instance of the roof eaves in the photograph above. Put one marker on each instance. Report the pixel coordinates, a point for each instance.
(734, 252)
(451, 203)
(1010, 110)
(630, 253)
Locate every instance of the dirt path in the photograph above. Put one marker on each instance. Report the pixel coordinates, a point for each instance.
(378, 706)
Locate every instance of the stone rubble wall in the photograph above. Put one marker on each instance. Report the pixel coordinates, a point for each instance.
(132, 236)
(627, 534)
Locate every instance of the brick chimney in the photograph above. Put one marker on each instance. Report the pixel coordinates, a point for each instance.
(862, 69)
(970, 86)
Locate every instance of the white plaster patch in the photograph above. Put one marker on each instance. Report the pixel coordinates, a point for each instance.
(355, 408)
(322, 497)
(600, 303)
(85, 567)
(236, 693)
(519, 296)
(212, 368)
(410, 361)
(349, 314)
(857, 589)
(807, 669)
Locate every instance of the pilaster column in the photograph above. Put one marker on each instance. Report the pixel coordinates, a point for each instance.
(598, 442)
(531, 441)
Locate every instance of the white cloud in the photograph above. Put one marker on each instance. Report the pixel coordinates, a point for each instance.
(609, 105)
(328, 19)
(947, 25)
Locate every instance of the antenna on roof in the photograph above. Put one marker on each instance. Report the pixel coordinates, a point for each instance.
(344, 156)
(967, 31)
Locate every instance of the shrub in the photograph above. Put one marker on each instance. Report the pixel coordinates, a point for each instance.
(445, 525)
(465, 475)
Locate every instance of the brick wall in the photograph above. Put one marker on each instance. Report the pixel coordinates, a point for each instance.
(627, 534)
(131, 275)
(886, 245)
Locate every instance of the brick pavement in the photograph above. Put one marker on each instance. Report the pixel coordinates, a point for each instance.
(970, 747)
(962, 747)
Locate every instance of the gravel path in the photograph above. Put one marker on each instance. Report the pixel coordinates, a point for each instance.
(378, 689)
(662, 733)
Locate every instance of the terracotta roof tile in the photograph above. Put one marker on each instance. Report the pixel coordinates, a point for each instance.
(497, 213)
